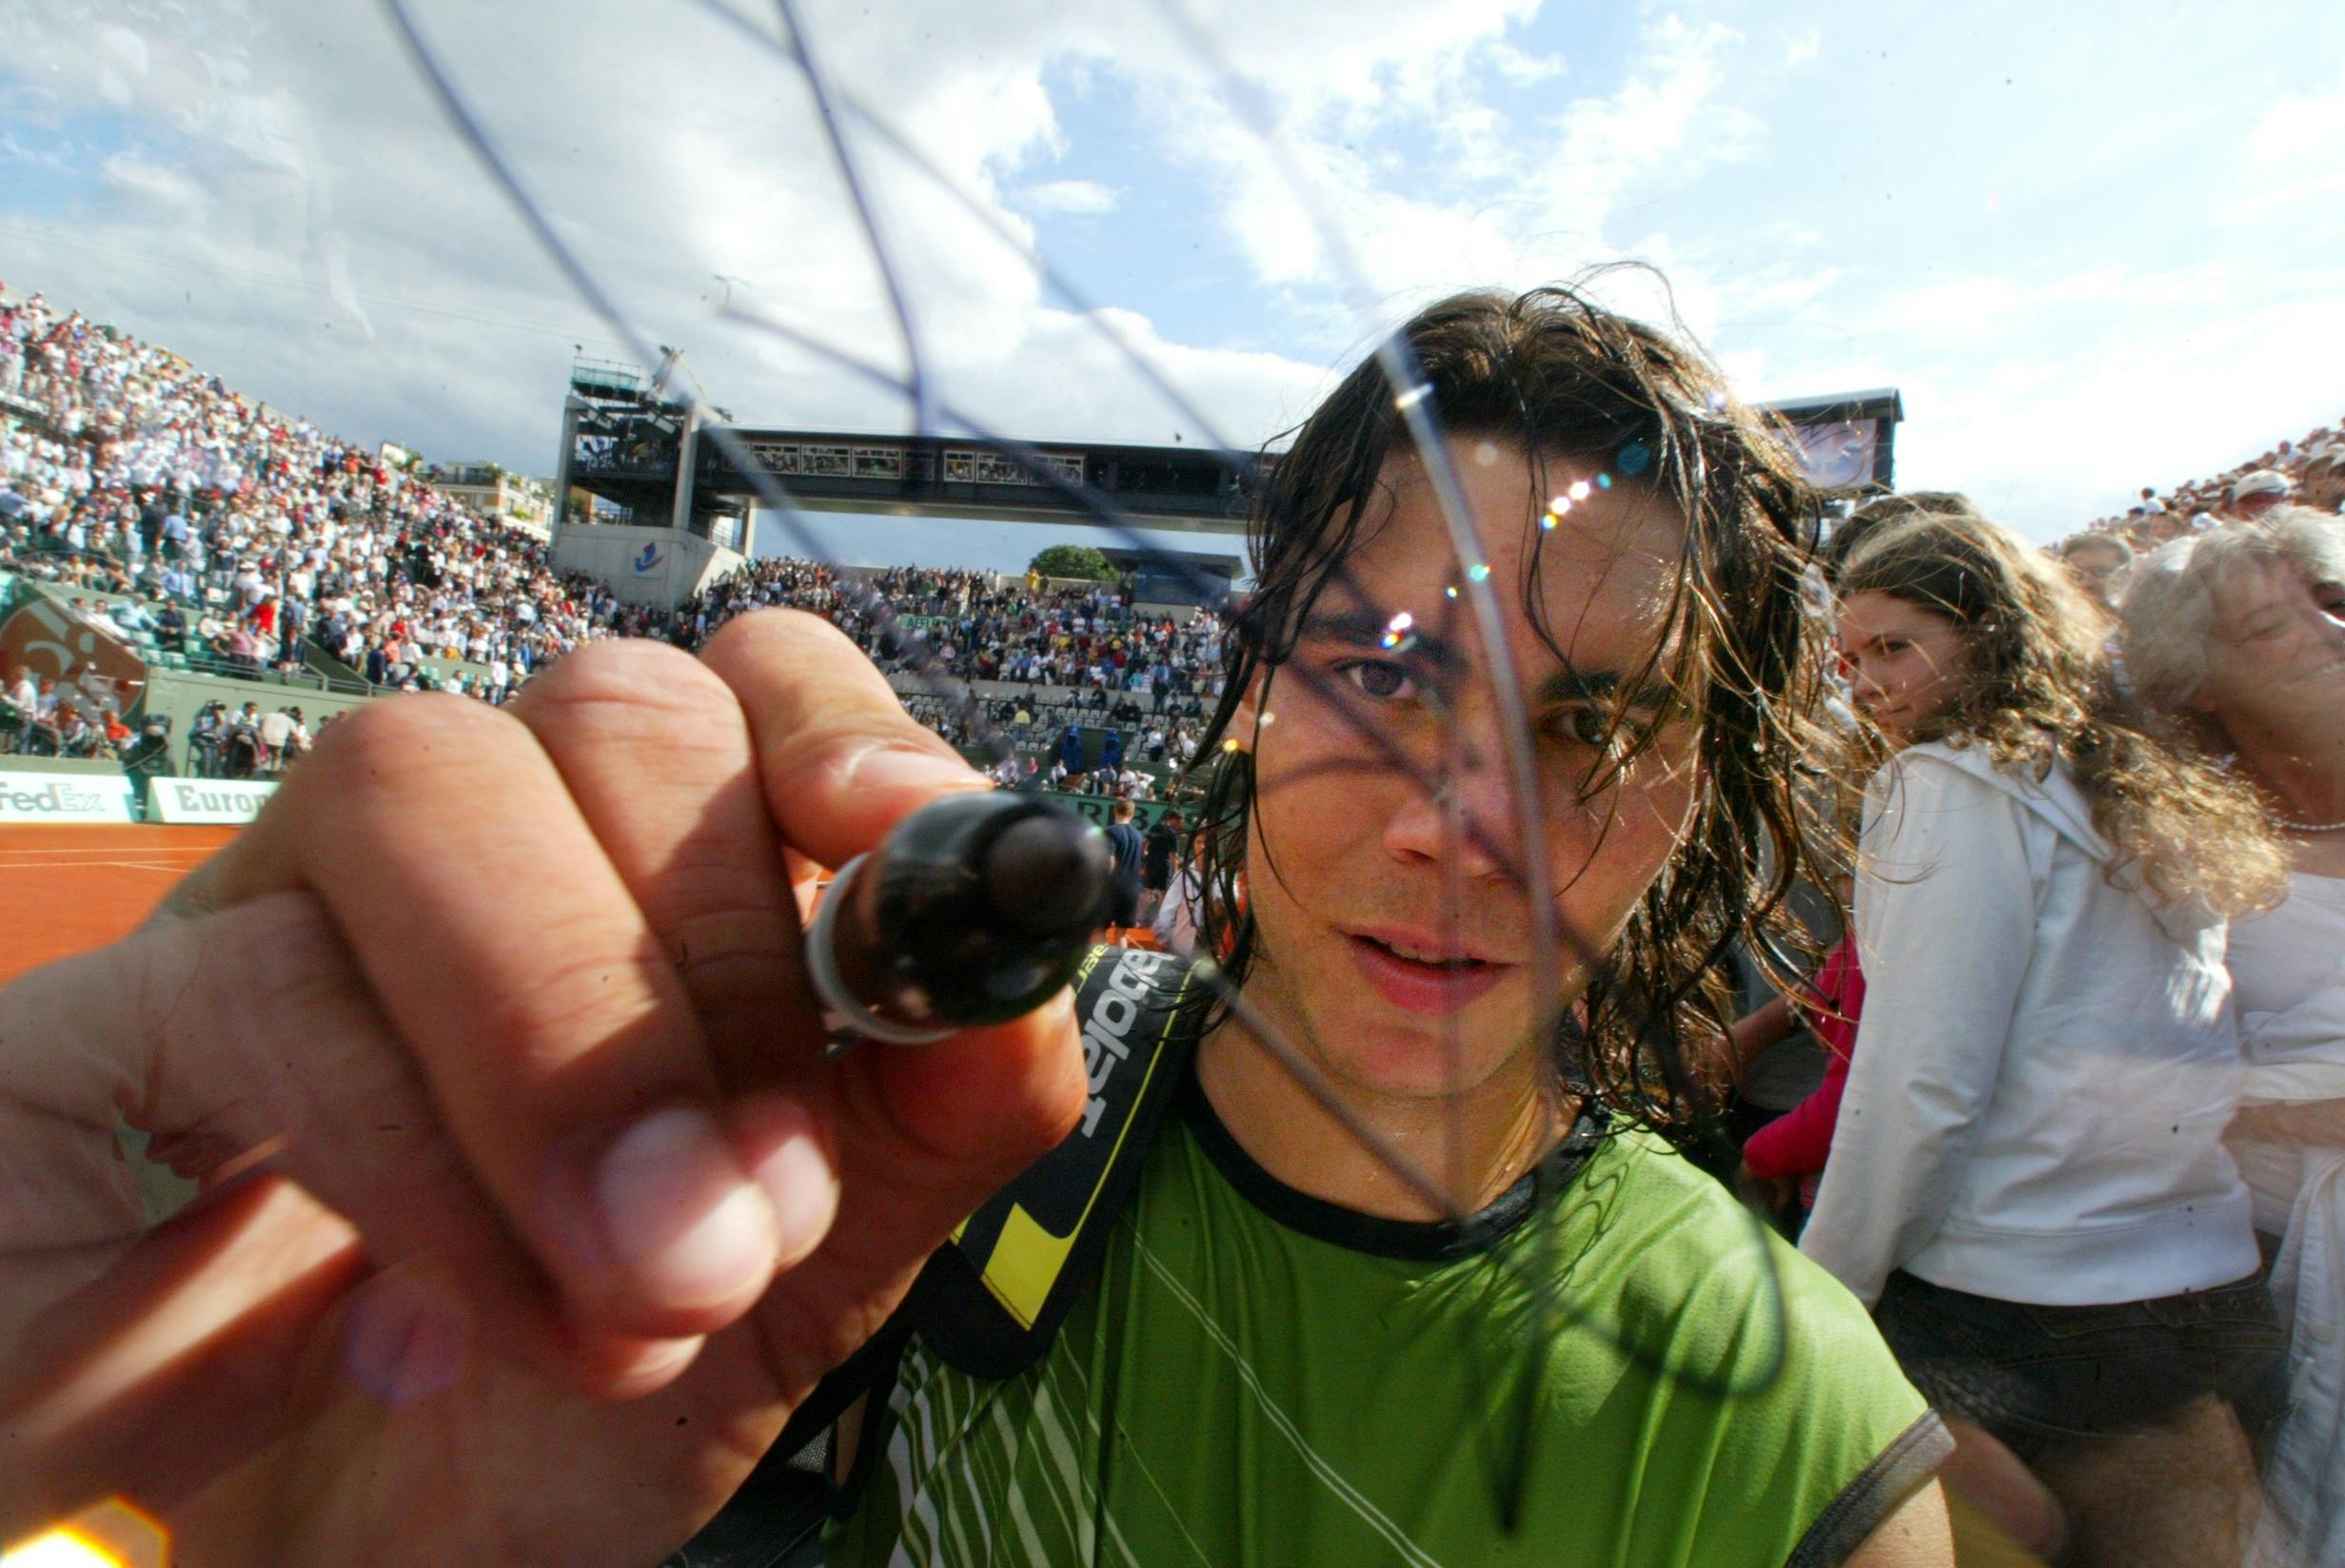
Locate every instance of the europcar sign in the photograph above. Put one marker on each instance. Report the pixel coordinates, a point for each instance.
(209, 799)
(63, 797)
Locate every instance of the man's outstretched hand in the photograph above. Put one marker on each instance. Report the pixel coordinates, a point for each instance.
(534, 1205)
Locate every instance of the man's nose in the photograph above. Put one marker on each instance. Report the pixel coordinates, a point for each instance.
(1462, 812)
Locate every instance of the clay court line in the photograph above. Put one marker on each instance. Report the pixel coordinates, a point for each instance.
(86, 865)
(93, 849)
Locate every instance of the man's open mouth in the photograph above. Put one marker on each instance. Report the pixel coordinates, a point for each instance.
(1418, 976)
(1450, 963)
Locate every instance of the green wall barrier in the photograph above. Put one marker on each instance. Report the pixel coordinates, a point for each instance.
(1096, 808)
(181, 693)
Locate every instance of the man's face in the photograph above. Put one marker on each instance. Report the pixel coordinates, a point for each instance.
(1396, 948)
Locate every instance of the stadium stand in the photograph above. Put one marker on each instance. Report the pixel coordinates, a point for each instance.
(2312, 469)
(212, 534)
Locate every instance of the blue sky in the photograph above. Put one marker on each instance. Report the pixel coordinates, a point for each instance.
(2094, 250)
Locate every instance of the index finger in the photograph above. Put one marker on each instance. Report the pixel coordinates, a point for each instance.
(841, 759)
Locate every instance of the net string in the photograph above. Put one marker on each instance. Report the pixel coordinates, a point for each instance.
(1526, 866)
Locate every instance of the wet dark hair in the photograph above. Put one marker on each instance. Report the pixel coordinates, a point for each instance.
(1556, 376)
(1883, 509)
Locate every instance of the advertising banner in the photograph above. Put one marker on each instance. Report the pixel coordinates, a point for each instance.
(1099, 808)
(26, 796)
(209, 799)
(93, 668)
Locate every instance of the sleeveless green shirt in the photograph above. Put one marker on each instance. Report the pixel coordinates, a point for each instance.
(1256, 1377)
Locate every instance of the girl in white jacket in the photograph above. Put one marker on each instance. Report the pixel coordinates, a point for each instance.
(2029, 1176)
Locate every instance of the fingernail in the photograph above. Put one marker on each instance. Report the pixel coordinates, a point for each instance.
(789, 1160)
(887, 767)
(682, 1217)
(653, 1367)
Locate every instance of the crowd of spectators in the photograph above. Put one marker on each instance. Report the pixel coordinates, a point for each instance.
(131, 472)
(212, 522)
(2310, 472)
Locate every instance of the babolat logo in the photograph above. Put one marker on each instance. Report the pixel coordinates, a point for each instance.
(1112, 1017)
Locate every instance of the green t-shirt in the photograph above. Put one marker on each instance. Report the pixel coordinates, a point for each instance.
(1257, 1377)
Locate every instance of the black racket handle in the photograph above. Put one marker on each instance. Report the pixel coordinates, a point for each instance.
(975, 910)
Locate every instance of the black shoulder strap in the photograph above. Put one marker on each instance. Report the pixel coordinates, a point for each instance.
(991, 1300)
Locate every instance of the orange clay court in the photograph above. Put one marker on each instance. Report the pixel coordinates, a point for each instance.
(65, 886)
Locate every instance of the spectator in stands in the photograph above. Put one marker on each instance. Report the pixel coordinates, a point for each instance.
(2257, 493)
(2098, 563)
(1178, 914)
(2028, 1176)
(24, 697)
(1128, 850)
(2239, 635)
(1159, 850)
(240, 749)
(96, 692)
(1783, 1161)
(276, 733)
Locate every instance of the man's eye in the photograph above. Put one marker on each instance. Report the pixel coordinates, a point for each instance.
(1589, 726)
(1379, 678)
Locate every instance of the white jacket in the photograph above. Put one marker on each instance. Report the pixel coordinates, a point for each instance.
(2045, 1063)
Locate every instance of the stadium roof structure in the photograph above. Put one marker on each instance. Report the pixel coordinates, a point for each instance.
(648, 456)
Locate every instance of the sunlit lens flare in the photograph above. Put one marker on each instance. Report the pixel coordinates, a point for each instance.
(112, 1534)
(60, 1548)
(1604, 482)
(1479, 571)
(1449, 592)
(1577, 492)
(1396, 630)
(1409, 398)
(1548, 520)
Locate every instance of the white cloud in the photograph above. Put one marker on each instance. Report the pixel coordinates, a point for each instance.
(279, 200)
(1076, 196)
(2305, 129)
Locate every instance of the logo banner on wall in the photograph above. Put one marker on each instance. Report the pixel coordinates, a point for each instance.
(52, 640)
(649, 560)
(1100, 809)
(63, 797)
(209, 799)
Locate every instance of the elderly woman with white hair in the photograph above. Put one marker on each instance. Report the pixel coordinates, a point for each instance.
(2240, 633)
